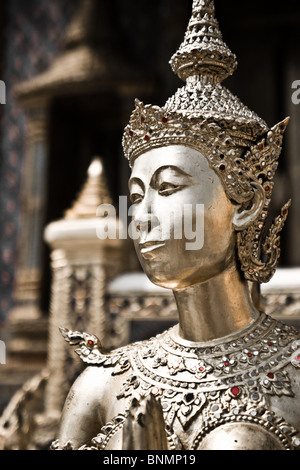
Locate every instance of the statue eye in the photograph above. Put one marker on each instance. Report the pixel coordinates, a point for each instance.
(168, 188)
(135, 198)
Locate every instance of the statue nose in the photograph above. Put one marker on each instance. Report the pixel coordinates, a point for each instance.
(146, 223)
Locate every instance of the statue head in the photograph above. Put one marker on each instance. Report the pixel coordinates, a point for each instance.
(204, 148)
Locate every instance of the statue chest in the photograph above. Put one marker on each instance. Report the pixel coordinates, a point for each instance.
(233, 415)
(233, 412)
(238, 395)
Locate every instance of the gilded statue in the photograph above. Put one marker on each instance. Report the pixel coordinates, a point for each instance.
(228, 375)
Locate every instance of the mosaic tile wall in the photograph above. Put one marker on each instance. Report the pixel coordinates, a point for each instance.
(33, 29)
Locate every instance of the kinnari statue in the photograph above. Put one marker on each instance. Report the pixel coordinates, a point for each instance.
(227, 376)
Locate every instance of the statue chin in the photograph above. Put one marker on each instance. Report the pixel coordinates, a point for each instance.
(169, 280)
(165, 282)
(172, 270)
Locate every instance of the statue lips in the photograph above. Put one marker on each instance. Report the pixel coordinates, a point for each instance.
(147, 249)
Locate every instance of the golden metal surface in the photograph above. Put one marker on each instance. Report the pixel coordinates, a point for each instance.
(228, 376)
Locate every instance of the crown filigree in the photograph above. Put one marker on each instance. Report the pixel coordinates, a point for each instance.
(206, 116)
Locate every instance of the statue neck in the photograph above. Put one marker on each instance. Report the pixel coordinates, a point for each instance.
(216, 308)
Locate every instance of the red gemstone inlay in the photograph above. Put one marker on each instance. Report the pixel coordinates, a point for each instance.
(269, 343)
(164, 120)
(174, 365)
(131, 133)
(222, 167)
(298, 357)
(226, 363)
(201, 368)
(249, 355)
(90, 342)
(270, 375)
(154, 390)
(146, 137)
(235, 391)
(261, 147)
(142, 119)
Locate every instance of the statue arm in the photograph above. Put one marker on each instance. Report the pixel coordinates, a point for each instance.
(81, 417)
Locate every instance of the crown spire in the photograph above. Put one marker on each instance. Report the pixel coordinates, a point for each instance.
(203, 52)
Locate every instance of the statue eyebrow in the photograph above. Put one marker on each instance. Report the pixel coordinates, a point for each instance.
(168, 167)
(137, 181)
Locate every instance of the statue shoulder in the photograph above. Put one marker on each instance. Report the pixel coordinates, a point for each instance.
(91, 402)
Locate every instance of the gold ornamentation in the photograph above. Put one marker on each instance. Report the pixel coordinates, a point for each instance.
(220, 383)
(90, 351)
(262, 159)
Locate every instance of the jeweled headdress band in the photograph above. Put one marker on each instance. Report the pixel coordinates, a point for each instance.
(206, 116)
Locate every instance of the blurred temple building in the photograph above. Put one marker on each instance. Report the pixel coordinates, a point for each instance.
(72, 69)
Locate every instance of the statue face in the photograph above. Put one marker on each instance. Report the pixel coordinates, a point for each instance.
(177, 196)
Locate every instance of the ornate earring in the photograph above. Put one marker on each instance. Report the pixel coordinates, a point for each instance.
(258, 255)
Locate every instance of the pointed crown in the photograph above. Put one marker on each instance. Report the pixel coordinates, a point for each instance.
(203, 51)
(203, 114)
(206, 116)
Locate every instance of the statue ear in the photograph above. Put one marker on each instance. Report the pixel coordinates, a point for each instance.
(245, 214)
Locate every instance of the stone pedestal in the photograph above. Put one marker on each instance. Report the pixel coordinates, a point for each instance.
(82, 266)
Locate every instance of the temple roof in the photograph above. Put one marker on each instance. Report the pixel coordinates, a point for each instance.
(89, 59)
